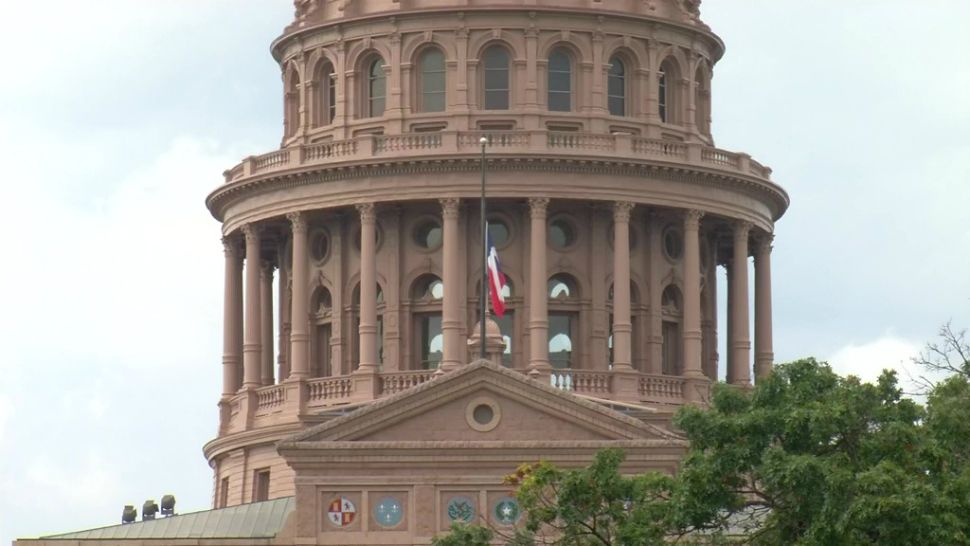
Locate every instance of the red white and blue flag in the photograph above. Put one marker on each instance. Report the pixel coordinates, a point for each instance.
(496, 279)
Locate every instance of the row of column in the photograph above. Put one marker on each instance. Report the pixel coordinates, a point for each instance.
(256, 340)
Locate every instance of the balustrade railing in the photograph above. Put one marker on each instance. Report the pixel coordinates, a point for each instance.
(268, 398)
(662, 387)
(393, 382)
(524, 141)
(328, 389)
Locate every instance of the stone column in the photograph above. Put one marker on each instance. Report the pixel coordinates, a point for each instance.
(622, 323)
(451, 326)
(693, 366)
(299, 336)
(764, 353)
(266, 322)
(252, 342)
(538, 299)
(232, 317)
(740, 339)
(283, 297)
(654, 328)
(368, 288)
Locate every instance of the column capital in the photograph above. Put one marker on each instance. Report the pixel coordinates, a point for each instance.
(621, 211)
(251, 231)
(692, 219)
(450, 207)
(266, 268)
(742, 228)
(537, 207)
(297, 221)
(367, 213)
(231, 247)
(762, 244)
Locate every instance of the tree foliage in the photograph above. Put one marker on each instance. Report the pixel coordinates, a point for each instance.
(806, 457)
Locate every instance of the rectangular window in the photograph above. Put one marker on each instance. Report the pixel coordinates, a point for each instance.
(671, 348)
(561, 329)
(323, 352)
(331, 98)
(431, 341)
(662, 97)
(223, 500)
(261, 485)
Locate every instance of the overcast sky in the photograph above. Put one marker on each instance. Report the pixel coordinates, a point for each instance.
(117, 118)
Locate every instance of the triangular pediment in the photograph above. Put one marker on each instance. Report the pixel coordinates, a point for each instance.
(483, 402)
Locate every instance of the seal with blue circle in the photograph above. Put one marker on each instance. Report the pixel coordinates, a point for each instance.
(388, 512)
(507, 511)
(461, 509)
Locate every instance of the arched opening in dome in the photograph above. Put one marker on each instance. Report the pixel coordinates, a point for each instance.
(375, 88)
(325, 94)
(668, 98)
(496, 80)
(291, 102)
(321, 309)
(431, 83)
(616, 87)
(564, 307)
(426, 295)
(560, 80)
(672, 312)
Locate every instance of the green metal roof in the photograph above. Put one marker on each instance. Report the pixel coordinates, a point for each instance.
(254, 520)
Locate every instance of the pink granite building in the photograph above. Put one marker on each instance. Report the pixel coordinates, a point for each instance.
(359, 413)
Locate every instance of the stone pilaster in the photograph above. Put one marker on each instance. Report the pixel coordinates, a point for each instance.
(299, 336)
(538, 299)
(232, 317)
(451, 323)
(740, 341)
(764, 352)
(252, 341)
(266, 322)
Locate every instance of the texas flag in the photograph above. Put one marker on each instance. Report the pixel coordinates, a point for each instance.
(496, 279)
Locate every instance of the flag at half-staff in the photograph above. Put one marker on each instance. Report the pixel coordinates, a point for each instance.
(496, 279)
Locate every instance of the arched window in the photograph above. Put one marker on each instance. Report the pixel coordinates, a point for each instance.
(563, 320)
(668, 104)
(560, 81)
(672, 311)
(495, 78)
(702, 100)
(376, 88)
(426, 294)
(326, 95)
(616, 87)
(431, 81)
(322, 316)
(291, 103)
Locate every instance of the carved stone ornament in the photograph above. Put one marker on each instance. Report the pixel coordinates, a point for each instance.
(741, 229)
(763, 244)
(449, 207)
(251, 231)
(298, 221)
(621, 211)
(367, 214)
(231, 247)
(537, 206)
(692, 219)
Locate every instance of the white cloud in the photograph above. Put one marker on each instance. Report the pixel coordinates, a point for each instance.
(6, 412)
(867, 360)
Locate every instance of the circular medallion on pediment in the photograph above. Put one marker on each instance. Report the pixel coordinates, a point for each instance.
(507, 511)
(388, 512)
(483, 414)
(461, 509)
(341, 512)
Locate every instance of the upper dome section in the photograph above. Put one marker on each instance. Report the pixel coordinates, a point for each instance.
(310, 13)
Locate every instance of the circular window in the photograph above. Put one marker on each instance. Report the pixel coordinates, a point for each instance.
(673, 244)
(320, 246)
(388, 512)
(498, 231)
(561, 234)
(428, 235)
(436, 289)
(483, 414)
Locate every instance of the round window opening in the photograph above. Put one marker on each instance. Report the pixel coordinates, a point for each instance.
(428, 235)
(561, 234)
(483, 414)
(498, 231)
(673, 244)
(321, 247)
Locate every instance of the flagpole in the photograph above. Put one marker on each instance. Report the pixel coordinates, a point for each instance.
(484, 303)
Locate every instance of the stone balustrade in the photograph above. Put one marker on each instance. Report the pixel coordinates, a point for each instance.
(540, 142)
(275, 404)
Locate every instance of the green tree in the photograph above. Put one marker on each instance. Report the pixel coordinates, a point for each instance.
(806, 457)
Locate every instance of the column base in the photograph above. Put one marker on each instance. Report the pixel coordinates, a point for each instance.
(697, 391)
(365, 384)
(625, 384)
